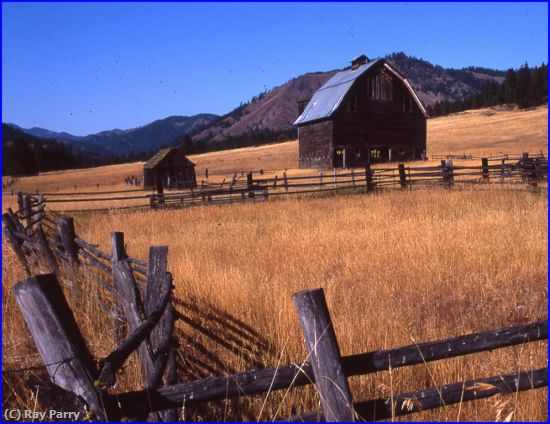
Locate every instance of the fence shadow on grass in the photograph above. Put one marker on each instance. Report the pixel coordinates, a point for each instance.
(211, 343)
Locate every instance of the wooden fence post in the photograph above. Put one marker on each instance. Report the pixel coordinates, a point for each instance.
(334, 176)
(118, 253)
(352, 178)
(285, 180)
(158, 281)
(48, 254)
(131, 305)
(485, 169)
(321, 179)
(250, 185)
(368, 178)
(27, 210)
(20, 201)
(65, 226)
(324, 355)
(206, 173)
(447, 171)
(402, 175)
(58, 339)
(8, 230)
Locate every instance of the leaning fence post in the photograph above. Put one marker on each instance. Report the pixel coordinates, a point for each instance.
(8, 230)
(43, 243)
(65, 226)
(20, 201)
(324, 355)
(58, 339)
(118, 253)
(131, 305)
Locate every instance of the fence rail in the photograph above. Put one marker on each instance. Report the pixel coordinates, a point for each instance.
(522, 170)
(146, 306)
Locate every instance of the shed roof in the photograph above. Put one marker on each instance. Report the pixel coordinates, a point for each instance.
(328, 98)
(161, 155)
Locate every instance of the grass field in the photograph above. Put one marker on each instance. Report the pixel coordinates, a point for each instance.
(397, 268)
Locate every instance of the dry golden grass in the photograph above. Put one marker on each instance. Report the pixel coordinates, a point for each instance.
(396, 268)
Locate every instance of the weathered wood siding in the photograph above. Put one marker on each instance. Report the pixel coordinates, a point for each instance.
(315, 145)
(380, 123)
(361, 124)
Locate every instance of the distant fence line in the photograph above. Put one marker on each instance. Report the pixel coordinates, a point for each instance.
(137, 295)
(527, 170)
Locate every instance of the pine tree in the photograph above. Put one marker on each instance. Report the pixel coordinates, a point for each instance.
(523, 88)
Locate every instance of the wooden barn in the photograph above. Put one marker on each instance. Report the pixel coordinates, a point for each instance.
(171, 168)
(365, 114)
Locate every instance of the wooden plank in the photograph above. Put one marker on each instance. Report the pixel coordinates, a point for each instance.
(91, 248)
(130, 303)
(8, 233)
(15, 221)
(380, 360)
(58, 338)
(45, 248)
(324, 354)
(65, 226)
(436, 397)
(159, 281)
(116, 359)
(217, 388)
(27, 210)
(118, 252)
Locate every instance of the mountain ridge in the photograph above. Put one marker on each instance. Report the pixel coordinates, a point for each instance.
(268, 116)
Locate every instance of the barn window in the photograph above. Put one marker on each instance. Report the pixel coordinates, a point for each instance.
(352, 104)
(381, 87)
(407, 104)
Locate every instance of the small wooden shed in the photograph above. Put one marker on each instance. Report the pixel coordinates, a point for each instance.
(171, 168)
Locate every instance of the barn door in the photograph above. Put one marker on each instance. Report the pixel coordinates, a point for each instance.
(339, 157)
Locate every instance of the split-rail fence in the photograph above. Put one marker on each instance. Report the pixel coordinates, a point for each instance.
(139, 294)
(524, 171)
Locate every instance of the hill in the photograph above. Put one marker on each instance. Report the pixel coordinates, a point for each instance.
(276, 110)
(269, 116)
(141, 141)
(25, 154)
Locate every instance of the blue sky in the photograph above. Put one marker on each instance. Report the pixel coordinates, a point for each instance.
(87, 67)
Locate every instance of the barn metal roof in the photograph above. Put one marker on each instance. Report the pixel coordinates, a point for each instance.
(327, 99)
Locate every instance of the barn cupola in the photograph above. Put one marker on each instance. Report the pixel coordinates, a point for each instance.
(358, 61)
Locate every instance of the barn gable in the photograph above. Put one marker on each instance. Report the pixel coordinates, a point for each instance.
(327, 99)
